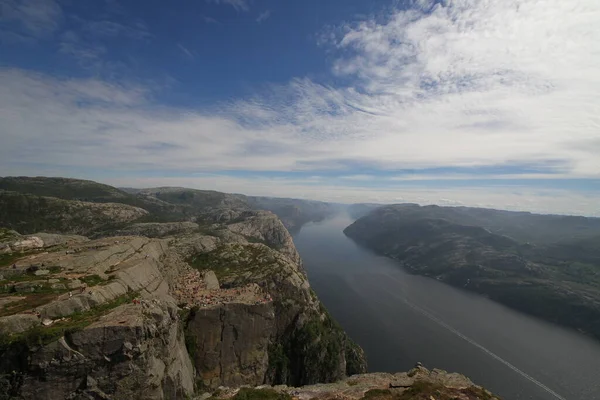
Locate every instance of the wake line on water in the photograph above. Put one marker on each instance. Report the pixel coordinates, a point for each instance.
(480, 347)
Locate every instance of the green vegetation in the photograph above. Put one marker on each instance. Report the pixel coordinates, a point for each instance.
(9, 259)
(63, 188)
(279, 362)
(315, 350)
(7, 234)
(232, 260)
(374, 394)
(92, 280)
(355, 358)
(30, 302)
(426, 390)
(260, 394)
(55, 269)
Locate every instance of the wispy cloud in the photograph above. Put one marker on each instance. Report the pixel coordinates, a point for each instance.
(523, 199)
(263, 16)
(112, 29)
(30, 18)
(239, 5)
(88, 56)
(209, 20)
(186, 51)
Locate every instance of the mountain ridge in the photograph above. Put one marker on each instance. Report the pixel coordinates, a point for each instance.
(548, 275)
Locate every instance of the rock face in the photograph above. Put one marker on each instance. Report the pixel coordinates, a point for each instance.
(135, 351)
(266, 227)
(302, 344)
(118, 336)
(231, 343)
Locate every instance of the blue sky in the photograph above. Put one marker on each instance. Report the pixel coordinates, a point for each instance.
(454, 102)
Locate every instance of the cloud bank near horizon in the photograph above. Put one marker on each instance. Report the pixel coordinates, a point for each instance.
(454, 90)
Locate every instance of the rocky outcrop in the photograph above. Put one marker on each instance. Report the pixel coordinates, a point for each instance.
(265, 227)
(418, 383)
(250, 319)
(157, 229)
(305, 344)
(118, 336)
(136, 351)
(12, 241)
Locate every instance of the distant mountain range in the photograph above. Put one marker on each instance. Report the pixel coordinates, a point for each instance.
(31, 204)
(545, 265)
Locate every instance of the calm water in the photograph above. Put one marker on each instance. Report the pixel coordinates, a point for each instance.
(400, 319)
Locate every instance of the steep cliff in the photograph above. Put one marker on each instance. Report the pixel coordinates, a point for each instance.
(132, 317)
(95, 320)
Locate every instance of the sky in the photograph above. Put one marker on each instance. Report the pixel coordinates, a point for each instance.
(490, 103)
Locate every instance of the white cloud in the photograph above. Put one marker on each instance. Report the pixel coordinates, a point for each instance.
(239, 5)
(471, 84)
(263, 16)
(509, 198)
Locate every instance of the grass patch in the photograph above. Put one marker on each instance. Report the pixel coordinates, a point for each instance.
(6, 234)
(260, 394)
(377, 394)
(10, 258)
(31, 301)
(92, 280)
(232, 260)
(55, 269)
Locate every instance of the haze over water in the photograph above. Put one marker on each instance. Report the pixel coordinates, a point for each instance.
(400, 319)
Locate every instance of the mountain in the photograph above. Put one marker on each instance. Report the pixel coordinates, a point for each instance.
(30, 213)
(90, 192)
(163, 204)
(171, 293)
(293, 212)
(359, 210)
(220, 299)
(545, 265)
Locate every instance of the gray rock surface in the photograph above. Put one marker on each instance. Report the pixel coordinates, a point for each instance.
(134, 352)
(264, 226)
(231, 343)
(157, 230)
